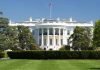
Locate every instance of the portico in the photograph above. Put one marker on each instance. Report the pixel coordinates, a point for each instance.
(50, 38)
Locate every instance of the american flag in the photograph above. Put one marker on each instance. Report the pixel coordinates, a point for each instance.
(50, 5)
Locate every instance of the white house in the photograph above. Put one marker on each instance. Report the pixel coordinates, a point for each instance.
(52, 34)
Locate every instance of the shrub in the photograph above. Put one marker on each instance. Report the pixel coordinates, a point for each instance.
(65, 47)
(54, 54)
(2, 54)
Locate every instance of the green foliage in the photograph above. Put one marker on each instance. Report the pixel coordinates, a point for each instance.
(96, 34)
(3, 33)
(15, 37)
(81, 38)
(25, 38)
(54, 54)
(3, 21)
(2, 54)
(65, 47)
(8, 35)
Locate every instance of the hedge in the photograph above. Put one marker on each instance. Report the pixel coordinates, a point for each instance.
(54, 54)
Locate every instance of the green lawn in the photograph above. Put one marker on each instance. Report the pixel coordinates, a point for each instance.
(49, 64)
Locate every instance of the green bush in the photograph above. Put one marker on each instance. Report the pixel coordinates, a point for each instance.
(65, 47)
(2, 54)
(54, 54)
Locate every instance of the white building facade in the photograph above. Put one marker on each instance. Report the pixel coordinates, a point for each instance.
(52, 34)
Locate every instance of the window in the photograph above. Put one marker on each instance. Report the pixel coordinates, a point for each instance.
(51, 31)
(68, 32)
(56, 31)
(56, 41)
(40, 42)
(67, 41)
(61, 33)
(45, 42)
(33, 32)
(50, 41)
(44, 31)
(40, 31)
(61, 41)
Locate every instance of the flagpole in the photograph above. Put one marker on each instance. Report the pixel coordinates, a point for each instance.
(50, 10)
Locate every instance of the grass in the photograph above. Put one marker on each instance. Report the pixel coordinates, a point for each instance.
(49, 64)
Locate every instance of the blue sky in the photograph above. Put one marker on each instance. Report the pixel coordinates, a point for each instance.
(81, 10)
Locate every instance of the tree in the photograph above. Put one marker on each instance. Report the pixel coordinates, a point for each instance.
(81, 38)
(8, 35)
(15, 37)
(3, 33)
(12, 36)
(96, 34)
(25, 37)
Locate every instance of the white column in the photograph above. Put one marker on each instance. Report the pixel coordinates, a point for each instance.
(42, 38)
(59, 37)
(53, 36)
(38, 36)
(48, 37)
(64, 37)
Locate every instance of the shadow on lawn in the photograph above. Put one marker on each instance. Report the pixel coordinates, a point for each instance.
(94, 68)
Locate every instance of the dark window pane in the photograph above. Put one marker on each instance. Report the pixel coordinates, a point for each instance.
(61, 41)
(56, 31)
(33, 32)
(44, 31)
(61, 32)
(40, 31)
(50, 41)
(68, 32)
(45, 42)
(51, 31)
